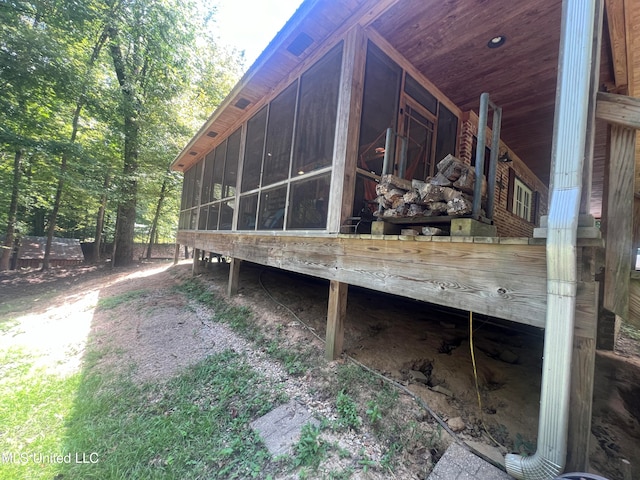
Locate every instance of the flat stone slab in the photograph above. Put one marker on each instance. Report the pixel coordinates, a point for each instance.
(460, 464)
(280, 428)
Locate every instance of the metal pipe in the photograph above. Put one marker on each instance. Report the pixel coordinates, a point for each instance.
(493, 162)
(572, 99)
(388, 146)
(402, 166)
(482, 134)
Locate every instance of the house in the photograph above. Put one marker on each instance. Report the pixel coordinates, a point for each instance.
(287, 171)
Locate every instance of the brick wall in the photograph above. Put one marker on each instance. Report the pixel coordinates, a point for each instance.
(507, 223)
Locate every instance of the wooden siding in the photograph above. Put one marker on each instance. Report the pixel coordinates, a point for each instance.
(500, 277)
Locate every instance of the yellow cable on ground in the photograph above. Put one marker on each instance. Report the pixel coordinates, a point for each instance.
(475, 376)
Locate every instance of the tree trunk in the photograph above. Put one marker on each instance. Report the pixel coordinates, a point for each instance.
(53, 218)
(7, 248)
(125, 223)
(100, 221)
(153, 234)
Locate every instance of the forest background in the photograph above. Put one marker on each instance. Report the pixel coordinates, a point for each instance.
(97, 97)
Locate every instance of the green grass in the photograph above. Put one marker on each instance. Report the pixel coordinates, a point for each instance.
(195, 426)
(109, 303)
(34, 406)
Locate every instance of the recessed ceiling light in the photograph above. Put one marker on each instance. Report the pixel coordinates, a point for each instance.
(496, 41)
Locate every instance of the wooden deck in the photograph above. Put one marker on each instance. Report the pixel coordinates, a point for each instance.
(501, 277)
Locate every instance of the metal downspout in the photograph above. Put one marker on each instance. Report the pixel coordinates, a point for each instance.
(572, 99)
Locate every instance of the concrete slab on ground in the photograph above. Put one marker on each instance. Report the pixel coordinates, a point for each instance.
(280, 428)
(458, 463)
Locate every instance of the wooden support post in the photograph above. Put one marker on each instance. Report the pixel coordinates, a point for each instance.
(176, 254)
(195, 269)
(619, 219)
(582, 374)
(336, 314)
(345, 154)
(583, 366)
(234, 276)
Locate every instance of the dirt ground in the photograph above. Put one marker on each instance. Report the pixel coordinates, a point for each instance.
(396, 336)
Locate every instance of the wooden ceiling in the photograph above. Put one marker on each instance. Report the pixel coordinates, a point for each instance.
(447, 41)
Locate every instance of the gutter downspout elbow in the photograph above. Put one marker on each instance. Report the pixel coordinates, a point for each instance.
(569, 135)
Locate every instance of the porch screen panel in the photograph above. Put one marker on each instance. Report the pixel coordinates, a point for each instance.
(279, 136)
(272, 203)
(231, 165)
(247, 212)
(317, 112)
(308, 205)
(202, 220)
(254, 147)
(379, 108)
(226, 215)
(187, 187)
(184, 196)
(420, 94)
(195, 197)
(212, 217)
(207, 179)
(218, 171)
(447, 133)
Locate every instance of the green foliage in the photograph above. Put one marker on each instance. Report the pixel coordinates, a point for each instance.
(57, 62)
(347, 411)
(373, 411)
(310, 449)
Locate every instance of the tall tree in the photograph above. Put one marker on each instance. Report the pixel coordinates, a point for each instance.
(149, 45)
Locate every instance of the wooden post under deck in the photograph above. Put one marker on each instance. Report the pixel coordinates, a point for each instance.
(195, 269)
(583, 370)
(336, 314)
(176, 254)
(234, 276)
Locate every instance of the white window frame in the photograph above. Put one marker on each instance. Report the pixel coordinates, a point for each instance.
(522, 200)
